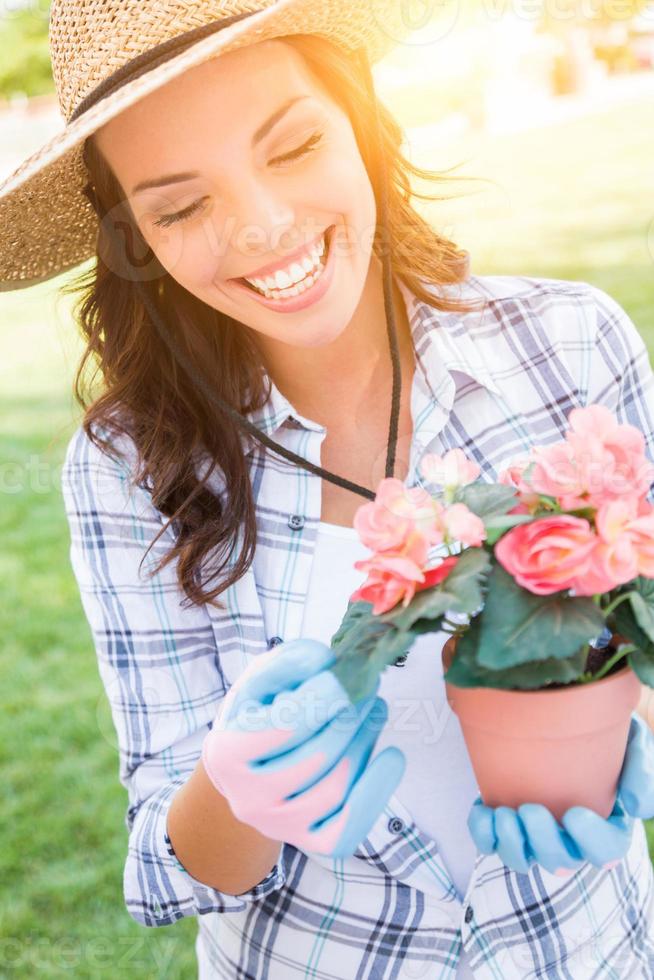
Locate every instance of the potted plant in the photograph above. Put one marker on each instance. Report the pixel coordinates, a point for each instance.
(525, 574)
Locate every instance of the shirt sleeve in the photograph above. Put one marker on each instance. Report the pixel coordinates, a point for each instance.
(160, 668)
(620, 373)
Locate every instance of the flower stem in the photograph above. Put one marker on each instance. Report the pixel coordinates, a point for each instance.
(616, 602)
(457, 628)
(622, 651)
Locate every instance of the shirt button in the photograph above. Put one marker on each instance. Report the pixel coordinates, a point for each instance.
(395, 825)
(273, 641)
(295, 522)
(469, 914)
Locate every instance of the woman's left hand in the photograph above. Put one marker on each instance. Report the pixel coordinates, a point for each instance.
(531, 834)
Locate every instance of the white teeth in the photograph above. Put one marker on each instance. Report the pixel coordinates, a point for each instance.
(282, 279)
(295, 280)
(297, 272)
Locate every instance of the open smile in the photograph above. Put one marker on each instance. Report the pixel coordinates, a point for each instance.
(297, 285)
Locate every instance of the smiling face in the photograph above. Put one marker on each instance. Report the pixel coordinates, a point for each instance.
(275, 165)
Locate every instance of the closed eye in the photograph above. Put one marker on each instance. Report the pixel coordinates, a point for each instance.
(170, 219)
(301, 150)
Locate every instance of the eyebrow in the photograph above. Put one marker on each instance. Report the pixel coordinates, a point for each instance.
(262, 131)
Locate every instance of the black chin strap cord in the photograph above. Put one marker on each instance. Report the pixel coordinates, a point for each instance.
(169, 340)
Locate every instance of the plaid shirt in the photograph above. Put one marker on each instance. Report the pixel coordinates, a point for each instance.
(493, 382)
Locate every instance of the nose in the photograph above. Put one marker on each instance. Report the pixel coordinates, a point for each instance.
(268, 225)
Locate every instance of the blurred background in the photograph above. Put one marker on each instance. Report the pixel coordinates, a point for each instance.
(549, 105)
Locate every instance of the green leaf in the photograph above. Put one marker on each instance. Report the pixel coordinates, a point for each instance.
(642, 664)
(466, 671)
(518, 627)
(497, 525)
(626, 625)
(642, 603)
(487, 499)
(641, 660)
(430, 604)
(355, 614)
(364, 646)
(461, 592)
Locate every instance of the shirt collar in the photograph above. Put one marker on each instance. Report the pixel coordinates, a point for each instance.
(443, 341)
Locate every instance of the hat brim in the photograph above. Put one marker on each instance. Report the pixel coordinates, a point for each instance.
(48, 226)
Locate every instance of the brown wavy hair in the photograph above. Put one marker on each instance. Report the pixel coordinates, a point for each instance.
(146, 396)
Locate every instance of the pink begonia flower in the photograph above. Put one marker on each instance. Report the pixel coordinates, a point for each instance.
(631, 473)
(395, 577)
(557, 474)
(454, 469)
(600, 459)
(512, 476)
(626, 541)
(549, 554)
(396, 513)
(464, 526)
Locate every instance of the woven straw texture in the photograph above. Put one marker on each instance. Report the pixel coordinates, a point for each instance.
(47, 225)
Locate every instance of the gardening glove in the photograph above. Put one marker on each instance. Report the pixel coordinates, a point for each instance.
(636, 783)
(532, 834)
(290, 752)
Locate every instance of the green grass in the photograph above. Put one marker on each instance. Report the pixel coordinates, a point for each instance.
(572, 201)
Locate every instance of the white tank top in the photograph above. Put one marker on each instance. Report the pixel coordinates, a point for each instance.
(438, 786)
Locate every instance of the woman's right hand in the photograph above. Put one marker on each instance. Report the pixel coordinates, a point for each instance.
(290, 752)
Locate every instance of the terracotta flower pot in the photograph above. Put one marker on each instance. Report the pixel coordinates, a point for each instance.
(561, 747)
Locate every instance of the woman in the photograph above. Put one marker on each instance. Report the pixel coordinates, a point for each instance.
(326, 861)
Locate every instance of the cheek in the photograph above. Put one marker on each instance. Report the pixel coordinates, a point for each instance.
(349, 194)
(190, 255)
(346, 188)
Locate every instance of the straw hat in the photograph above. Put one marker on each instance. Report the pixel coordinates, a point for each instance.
(108, 54)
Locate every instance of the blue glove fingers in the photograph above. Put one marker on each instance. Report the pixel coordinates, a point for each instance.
(599, 841)
(360, 748)
(367, 799)
(512, 845)
(549, 844)
(359, 751)
(303, 711)
(481, 825)
(328, 745)
(636, 784)
(284, 668)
